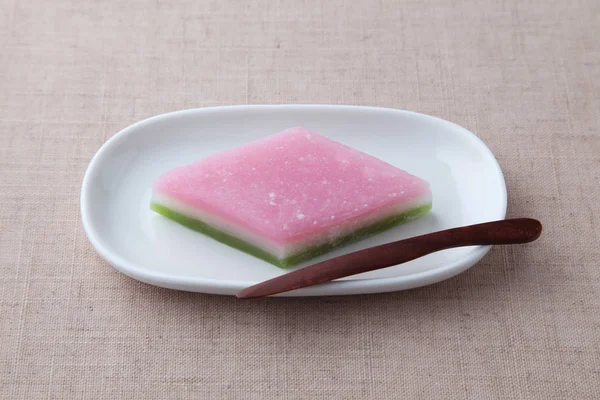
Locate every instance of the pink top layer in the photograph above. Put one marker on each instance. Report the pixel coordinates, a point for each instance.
(291, 185)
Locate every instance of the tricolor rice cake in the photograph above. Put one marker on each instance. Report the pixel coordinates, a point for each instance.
(290, 197)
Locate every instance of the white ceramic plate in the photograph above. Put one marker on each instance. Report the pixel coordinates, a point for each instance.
(467, 184)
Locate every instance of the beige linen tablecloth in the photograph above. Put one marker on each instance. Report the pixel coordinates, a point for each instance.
(523, 75)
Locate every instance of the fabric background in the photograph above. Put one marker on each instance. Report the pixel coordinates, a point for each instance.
(523, 75)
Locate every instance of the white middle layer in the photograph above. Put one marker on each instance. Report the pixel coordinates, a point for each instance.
(276, 249)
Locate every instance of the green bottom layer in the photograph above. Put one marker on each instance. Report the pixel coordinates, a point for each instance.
(301, 256)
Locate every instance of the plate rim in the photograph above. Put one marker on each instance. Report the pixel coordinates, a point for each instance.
(230, 287)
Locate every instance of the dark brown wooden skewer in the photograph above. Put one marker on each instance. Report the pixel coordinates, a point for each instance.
(509, 231)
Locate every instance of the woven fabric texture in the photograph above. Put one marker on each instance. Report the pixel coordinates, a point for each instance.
(524, 75)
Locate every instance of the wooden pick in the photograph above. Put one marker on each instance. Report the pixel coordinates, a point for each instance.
(509, 231)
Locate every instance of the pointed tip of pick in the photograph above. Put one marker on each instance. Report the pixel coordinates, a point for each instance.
(248, 293)
(264, 289)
